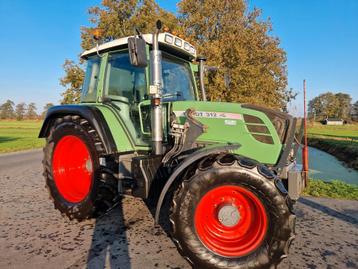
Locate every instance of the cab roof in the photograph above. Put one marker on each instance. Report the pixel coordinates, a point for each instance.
(166, 40)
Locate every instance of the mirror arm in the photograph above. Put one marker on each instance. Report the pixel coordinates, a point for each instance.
(97, 50)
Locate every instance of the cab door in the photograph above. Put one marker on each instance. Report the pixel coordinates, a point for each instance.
(126, 87)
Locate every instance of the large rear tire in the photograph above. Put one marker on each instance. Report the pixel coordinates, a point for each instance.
(80, 187)
(232, 213)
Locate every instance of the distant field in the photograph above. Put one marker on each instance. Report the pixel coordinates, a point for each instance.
(348, 131)
(19, 135)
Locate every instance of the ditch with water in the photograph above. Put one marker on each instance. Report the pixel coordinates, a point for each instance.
(326, 167)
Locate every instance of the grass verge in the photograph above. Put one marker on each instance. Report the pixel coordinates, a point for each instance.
(19, 135)
(334, 189)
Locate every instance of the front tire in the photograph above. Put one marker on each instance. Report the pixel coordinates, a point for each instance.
(232, 213)
(79, 186)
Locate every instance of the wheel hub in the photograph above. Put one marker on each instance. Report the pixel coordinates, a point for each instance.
(231, 221)
(229, 215)
(72, 168)
(89, 166)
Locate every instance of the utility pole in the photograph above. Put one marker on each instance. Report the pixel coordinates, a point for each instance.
(305, 146)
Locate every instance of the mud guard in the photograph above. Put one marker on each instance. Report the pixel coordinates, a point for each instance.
(197, 155)
(90, 113)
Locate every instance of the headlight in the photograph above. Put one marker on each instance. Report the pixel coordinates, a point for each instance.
(192, 50)
(186, 46)
(178, 42)
(168, 39)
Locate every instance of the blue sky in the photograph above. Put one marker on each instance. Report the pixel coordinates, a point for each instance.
(320, 38)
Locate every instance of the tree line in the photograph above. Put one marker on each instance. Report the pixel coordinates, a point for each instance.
(233, 38)
(21, 111)
(333, 105)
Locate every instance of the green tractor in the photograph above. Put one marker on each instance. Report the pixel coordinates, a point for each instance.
(144, 126)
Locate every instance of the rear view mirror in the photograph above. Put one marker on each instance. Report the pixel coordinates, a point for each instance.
(137, 51)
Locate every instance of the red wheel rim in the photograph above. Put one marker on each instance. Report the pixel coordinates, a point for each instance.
(72, 168)
(231, 221)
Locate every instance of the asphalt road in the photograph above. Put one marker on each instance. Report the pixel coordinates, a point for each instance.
(34, 235)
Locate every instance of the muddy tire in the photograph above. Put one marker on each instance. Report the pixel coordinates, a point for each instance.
(231, 212)
(79, 186)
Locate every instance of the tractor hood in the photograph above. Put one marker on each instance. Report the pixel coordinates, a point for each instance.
(258, 130)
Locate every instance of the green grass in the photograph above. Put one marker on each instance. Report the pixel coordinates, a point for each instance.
(334, 189)
(19, 135)
(347, 144)
(348, 131)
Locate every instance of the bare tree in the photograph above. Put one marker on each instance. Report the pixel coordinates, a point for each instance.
(7, 110)
(31, 111)
(20, 111)
(46, 107)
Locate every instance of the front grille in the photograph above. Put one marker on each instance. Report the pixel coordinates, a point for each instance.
(263, 138)
(279, 119)
(252, 119)
(258, 129)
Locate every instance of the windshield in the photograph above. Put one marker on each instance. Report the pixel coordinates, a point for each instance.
(177, 80)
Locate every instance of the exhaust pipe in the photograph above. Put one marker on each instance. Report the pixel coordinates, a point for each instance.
(202, 60)
(155, 93)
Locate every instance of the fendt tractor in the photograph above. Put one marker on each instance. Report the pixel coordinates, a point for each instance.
(226, 170)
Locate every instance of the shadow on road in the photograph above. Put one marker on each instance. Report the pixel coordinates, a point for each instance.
(329, 211)
(109, 242)
(4, 139)
(151, 203)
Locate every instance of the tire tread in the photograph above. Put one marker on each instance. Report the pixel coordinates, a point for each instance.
(275, 254)
(107, 194)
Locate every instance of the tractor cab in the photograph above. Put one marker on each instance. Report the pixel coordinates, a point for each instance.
(112, 79)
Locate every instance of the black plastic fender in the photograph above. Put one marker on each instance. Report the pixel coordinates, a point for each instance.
(92, 114)
(197, 155)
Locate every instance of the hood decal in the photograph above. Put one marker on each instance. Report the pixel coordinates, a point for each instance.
(211, 114)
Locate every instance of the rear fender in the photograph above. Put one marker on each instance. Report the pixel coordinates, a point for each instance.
(92, 114)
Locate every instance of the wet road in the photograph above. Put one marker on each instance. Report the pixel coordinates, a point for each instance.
(34, 235)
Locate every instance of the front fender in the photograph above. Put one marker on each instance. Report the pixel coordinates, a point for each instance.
(197, 155)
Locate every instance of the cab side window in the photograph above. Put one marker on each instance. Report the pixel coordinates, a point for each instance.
(125, 80)
(89, 88)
